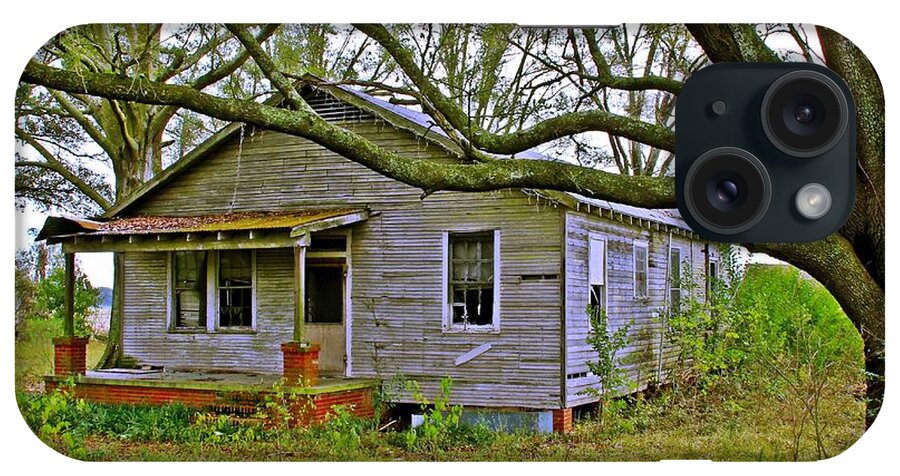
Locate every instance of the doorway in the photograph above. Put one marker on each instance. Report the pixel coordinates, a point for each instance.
(325, 312)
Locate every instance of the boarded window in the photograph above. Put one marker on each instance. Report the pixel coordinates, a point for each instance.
(189, 289)
(675, 279)
(471, 261)
(641, 264)
(235, 288)
(325, 294)
(597, 273)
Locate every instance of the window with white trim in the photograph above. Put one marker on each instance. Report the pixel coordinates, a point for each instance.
(189, 289)
(235, 277)
(212, 290)
(472, 262)
(641, 267)
(675, 275)
(712, 275)
(597, 273)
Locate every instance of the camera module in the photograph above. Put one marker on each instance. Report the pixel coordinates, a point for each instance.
(728, 190)
(804, 113)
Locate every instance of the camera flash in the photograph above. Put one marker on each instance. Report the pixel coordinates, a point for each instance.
(813, 201)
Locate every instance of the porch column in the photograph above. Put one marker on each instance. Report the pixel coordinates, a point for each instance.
(299, 290)
(301, 358)
(69, 297)
(69, 352)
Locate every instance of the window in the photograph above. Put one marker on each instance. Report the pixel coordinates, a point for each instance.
(212, 290)
(675, 280)
(597, 273)
(471, 261)
(712, 277)
(641, 264)
(235, 288)
(189, 289)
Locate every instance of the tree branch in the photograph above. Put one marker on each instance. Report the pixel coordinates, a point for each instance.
(545, 131)
(162, 117)
(731, 43)
(52, 163)
(431, 176)
(86, 124)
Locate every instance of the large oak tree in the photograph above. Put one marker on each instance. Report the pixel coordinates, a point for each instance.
(849, 263)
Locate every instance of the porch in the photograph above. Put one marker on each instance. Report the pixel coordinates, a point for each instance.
(239, 393)
(211, 300)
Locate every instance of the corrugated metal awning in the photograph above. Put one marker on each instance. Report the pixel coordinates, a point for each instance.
(285, 226)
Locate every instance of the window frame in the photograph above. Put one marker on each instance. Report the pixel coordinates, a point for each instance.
(676, 280)
(447, 324)
(712, 278)
(598, 237)
(218, 288)
(172, 288)
(211, 296)
(634, 269)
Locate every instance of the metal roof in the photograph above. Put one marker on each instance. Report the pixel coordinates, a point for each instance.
(147, 225)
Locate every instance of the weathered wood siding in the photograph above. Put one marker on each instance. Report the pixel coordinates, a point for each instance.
(147, 338)
(645, 316)
(396, 268)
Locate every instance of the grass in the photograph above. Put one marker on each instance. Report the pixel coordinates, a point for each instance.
(718, 424)
(737, 418)
(34, 351)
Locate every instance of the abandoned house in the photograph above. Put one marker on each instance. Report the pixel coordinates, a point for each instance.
(261, 255)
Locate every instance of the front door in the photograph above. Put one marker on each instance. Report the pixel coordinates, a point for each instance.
(325, 313)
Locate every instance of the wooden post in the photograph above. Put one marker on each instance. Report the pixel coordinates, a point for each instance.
(69, 297)
(299, 291)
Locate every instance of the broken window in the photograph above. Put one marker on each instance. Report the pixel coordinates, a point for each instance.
(641, 264)
(471, 272)
(235, 288)
(189, 289)
(597, 273)
(675, 280)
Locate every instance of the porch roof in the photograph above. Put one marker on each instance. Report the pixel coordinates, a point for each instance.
(254, 229)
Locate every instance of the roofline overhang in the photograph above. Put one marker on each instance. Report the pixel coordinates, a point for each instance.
(204, 239)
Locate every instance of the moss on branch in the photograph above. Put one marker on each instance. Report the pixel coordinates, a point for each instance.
(431, 176)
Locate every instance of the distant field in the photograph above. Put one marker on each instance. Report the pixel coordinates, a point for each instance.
(34, 352)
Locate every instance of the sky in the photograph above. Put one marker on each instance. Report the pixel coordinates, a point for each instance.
(97, 266)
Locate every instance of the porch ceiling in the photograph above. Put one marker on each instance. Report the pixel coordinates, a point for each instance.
(258, 229)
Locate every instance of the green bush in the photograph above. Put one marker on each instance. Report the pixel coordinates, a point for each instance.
(442, 428)
(49, 300)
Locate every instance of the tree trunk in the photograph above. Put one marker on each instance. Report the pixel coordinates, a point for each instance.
(112, 355)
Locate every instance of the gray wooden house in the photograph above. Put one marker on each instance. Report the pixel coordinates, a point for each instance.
(490, 289)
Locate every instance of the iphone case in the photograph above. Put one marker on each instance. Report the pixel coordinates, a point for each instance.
(421, 242)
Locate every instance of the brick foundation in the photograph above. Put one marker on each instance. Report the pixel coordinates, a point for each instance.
(69, 355)
(301, 363)
(312, 408)
(562, 420)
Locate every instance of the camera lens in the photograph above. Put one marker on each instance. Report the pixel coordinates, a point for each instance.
(727, 190)
(804, 113)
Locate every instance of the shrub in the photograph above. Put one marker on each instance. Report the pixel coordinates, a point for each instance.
(607, 367)
(442, 427)
(49, 300)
